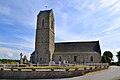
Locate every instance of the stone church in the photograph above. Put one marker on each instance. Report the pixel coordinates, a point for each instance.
(46, 50)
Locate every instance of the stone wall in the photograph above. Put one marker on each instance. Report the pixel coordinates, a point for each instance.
(80, 57)
(10, 74)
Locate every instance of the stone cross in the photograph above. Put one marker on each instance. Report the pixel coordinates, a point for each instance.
(25, 59)
(21, 55)
(21, 59)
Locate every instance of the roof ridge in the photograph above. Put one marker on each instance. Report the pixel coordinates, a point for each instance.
(45, 11)
(78, 42)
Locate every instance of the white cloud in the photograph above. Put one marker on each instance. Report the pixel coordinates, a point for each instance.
(107, 3)
(12, 53)
(28, 41)
(19, 15)
(5, 10)
(79, 4)
(101, 23)
(19, 46)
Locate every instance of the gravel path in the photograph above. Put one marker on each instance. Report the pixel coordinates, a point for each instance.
(113, 73)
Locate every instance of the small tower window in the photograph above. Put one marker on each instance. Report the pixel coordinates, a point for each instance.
(75, 58)
(60, 58)
(52, 24)
(40, 59)
(43, 23)
(91, 58)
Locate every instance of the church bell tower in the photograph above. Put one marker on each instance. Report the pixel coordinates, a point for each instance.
(44, 44)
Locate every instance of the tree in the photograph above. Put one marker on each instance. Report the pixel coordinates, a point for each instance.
(108, 56)
(118, 56)
(0, 62)
(104, 60)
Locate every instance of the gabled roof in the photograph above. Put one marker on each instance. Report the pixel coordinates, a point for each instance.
(33, 53)
(90, 46)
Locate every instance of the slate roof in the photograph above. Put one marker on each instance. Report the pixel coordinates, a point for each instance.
(33, 53)
(90, 46)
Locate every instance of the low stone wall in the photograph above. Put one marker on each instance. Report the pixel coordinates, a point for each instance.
(11, 74)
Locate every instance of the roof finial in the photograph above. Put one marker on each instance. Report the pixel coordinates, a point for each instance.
(45, 7)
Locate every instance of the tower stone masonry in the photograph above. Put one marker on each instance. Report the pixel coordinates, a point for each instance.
(44, 44)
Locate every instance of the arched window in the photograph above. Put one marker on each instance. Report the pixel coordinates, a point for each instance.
(75, 58)
(60, 58)
(43, 23)
(91, 58)
(40, 59)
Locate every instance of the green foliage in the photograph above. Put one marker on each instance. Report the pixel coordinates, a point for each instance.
(12, 62)
(8, 61)
(104, 60)
(107, 57)
(0, 61)
(113, 63)
(118, 56)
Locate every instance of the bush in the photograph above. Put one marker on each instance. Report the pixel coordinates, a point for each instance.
(118, 63)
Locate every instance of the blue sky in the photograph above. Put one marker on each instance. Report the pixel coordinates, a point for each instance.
(75, 20)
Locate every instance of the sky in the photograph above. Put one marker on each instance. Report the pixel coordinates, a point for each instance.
(75, 20)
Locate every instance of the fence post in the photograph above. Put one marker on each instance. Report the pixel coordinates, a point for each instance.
(2, 69)
(67, 69)
(85, 68)
(19, 69)
(90, 67)
(33, 69)
(11, 69)
(76, 69)
(52, 69)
